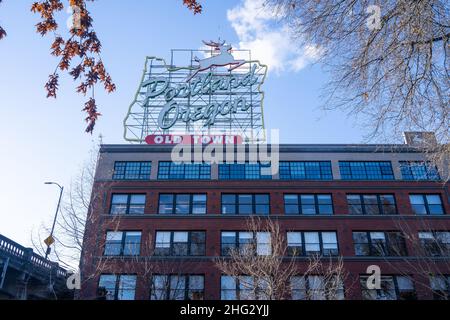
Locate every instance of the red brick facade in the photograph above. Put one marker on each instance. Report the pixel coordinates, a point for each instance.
(213, 223)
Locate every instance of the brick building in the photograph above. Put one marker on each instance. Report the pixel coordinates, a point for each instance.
(354, 201)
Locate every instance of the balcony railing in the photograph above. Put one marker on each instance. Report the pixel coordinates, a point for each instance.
(15, 251)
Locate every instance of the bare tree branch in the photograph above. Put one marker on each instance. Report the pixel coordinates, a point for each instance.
(394, 75)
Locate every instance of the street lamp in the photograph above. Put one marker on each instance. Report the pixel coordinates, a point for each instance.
(50, 239)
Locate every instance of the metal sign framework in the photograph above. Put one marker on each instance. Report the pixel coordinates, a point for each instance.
(142, 117)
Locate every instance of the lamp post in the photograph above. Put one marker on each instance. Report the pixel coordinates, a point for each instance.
(50, 238)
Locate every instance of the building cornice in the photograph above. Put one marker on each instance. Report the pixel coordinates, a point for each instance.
(284, 148)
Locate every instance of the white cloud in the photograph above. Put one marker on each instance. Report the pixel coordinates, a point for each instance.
(268, 39)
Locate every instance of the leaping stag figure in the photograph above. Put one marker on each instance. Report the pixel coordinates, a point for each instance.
(224, 58)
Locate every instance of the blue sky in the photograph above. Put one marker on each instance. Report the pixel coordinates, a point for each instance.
(43, 139)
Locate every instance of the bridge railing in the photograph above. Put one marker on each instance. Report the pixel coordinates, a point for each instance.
(15, 251)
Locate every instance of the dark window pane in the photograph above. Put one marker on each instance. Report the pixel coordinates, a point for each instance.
(137, 199)
(419, 209)
(378, 247)
(362, 249)
(199, 204)
(308, 204)
(312, 242)
(291, 209)
(243, 171)
(418, 170)
(307, 199)
(372, 209)
(417, 199)
(308, 209)
(245, 204)
(113, 248)
(113, 244)
(245, 209)
(262, 209)
(128, 204)
(119, 198)
(228, 242)
(354, 199)
(294, 240)
(324, 199)
(196, 288)
(132, 243)
(397, 245)
(137, 209)
(229, 209)
(291, 199)
(198, 243)
(163, 243)
(245, 198)
(435, 204)
(291, 204)
(182, 202)
(180, 249)
(329, 243)
(262, 199)
(229, 198)
(426, 204)
(119, 209)
(388, 204)
(325, 209)
(361, 242)
(108, 283)
(166, 203)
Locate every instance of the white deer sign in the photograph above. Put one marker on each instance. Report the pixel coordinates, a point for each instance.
(224, 58)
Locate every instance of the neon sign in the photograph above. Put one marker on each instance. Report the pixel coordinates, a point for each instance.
(209, 96)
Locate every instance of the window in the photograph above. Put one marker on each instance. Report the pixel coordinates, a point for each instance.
(126, 243)
(435, 243)
(182, 204)
(426, 204)
(245, 171)
(379, 243)
(371, 204)
(124, 170)
(184, 171)
(305, 170)
(118, 287)
(180, 243)
(311, 243)
(392, 288)
(418, 170)
(243, 288)
(127, 204)
(246, 242)
(440, 286)
(308, 204)
(245, 204)
(366, 170)
(314, 287)
(177, 287)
